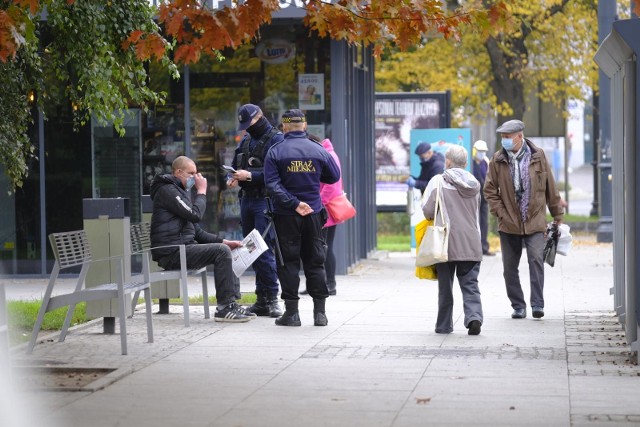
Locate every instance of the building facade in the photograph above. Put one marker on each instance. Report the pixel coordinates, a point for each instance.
(287, 68)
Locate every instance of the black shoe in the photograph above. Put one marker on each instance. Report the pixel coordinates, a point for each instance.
(232, 313)
(474, 327)
(519, 313)
(289, 319)
(537, 312)
(320, 319)
(260, 308)
(246, 311)
(274, 307)
(304, 292)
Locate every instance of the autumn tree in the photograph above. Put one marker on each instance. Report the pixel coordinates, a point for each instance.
(91, 53)
(550, 47)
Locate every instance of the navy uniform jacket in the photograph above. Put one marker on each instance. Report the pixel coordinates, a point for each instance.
(257, 173)
(293, 171)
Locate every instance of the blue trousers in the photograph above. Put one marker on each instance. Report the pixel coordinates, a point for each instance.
(252, 215)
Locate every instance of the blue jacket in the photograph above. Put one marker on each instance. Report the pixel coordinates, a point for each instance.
(293, 171)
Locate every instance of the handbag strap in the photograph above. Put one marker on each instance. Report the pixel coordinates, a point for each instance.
(438, 204)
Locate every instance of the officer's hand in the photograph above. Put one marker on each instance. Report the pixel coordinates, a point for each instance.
(411, 182)
(201, 183)
(304, 209)
(232, 243)
(242, 175)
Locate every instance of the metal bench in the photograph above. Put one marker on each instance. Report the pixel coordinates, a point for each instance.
(141, 242)
(71, 249)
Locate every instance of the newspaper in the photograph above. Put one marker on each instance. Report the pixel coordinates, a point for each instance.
(252, 247)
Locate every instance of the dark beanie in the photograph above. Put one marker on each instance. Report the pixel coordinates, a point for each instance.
(422, 148)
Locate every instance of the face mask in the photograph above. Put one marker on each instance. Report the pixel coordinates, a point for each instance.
(191, 181)
(480, 156)
(507, 144)
(258, 128)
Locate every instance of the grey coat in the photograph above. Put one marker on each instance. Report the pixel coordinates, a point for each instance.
(460, 196)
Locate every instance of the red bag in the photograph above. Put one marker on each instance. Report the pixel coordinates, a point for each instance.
(340, 208)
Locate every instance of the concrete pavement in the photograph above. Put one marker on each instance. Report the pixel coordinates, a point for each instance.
(378, 362)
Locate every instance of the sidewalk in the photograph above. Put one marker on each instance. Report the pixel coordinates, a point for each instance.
(377, 363)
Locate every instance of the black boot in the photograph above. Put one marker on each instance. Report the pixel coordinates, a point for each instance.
(332, 288)
(273, 306)
(291, 317)
(261, 307)
(319, 316)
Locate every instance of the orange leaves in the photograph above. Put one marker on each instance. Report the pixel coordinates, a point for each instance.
(146, 45)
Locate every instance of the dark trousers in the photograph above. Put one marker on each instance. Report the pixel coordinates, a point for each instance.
(302, 240)
(330, 262)
(484, 224)
(202, 255)
(511, 246)
(252, 214)
(467, 273)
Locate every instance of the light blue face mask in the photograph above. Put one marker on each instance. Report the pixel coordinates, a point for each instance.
(191, 181)
(507, 143)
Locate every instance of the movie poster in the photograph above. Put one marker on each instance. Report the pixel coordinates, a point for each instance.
(396, 115)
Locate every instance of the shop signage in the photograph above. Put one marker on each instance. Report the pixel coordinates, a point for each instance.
(275, 51)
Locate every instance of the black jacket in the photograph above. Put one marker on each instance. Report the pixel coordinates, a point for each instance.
(432, 167)
(175, 217)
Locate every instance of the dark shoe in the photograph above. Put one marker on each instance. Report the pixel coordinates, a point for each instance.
(519, 313)
(232, 313)
(274, 307)
(489, 253)
(246, 311)
(289, 319)
(260, 308)
(304, 292)
(537, 312)
(474, 327)
(332, 288)
(319, 319)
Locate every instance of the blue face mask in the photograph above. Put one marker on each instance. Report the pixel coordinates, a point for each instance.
(507, 143)
(191, 181)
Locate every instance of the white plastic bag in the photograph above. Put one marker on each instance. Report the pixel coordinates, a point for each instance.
(564, 241)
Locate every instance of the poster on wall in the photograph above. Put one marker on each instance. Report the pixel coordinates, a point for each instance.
(311, 91)
(396, 114)
(440, 141)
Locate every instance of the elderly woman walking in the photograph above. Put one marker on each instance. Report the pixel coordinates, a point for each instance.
(459, 198)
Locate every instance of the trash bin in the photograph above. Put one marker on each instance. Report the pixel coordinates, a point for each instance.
(165, 289)
(107, 224)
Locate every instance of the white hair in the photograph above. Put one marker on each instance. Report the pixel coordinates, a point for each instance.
(457, 155)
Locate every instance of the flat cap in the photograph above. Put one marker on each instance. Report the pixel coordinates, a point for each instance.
(246, 113)
(511, 126)
(293, 116)
(422, 148)
(481, 145)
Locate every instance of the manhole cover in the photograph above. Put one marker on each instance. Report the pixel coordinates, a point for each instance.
(57, 378)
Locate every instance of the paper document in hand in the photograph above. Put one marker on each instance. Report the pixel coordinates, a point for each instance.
(252, 247)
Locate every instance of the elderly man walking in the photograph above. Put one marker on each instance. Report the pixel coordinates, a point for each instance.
(518, 188)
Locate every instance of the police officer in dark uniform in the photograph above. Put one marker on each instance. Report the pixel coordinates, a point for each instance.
(293, 171)
(249, 165)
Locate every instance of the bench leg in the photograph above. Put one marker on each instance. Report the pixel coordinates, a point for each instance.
(205, 295)
(147, 301)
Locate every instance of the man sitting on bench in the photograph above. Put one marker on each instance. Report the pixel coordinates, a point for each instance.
(175, 222)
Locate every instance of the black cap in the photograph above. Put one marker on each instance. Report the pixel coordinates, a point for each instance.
(422, 148)
(293, 116)
(246, 113)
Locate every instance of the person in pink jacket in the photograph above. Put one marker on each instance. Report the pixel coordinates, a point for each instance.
(328, 192)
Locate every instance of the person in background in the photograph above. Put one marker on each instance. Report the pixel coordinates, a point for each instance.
(175, 221)
(519, 188)
(293, 171)
(327, 193)
(460, 198)
(479, 169)
(249, 165)
(431, 164)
